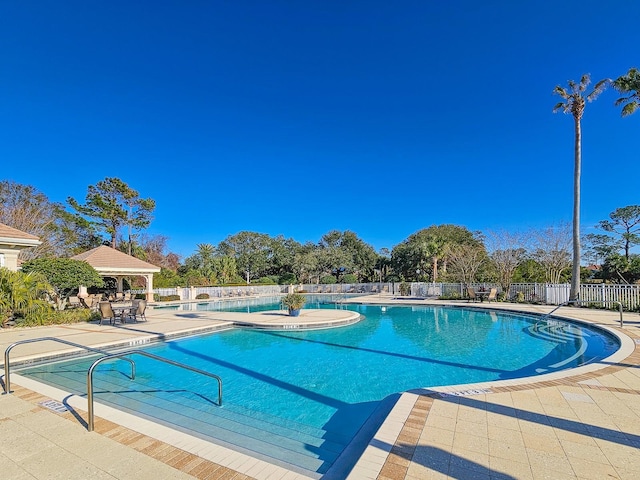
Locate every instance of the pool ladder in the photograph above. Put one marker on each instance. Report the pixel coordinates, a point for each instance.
(119, 355)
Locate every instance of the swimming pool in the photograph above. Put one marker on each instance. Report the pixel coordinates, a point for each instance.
(297, 398)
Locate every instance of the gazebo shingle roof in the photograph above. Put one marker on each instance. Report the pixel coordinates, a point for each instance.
(106, 258)
(9, 232)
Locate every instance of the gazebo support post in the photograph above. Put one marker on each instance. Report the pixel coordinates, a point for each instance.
(149, 282)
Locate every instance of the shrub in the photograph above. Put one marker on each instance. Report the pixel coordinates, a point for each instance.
(349, 278)
(58, 317)
(451, 296)
(202, 296)
(265, 281)
(287, 279)
(405, 289)
(64, 275)
(328, 279)
(165, 298)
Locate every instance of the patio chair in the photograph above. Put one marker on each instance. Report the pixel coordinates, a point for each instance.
(74, 302)
(106, 312)
(471, 293)
(137, 310)
(493, 295)
(95, 301)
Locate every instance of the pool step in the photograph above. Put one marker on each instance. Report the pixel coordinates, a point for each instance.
(283, 441)
(305, 451)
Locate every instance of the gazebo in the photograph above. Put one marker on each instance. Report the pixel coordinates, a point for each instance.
(12, 241)
(113, 263)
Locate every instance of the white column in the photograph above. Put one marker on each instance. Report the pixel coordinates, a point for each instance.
(149, 281)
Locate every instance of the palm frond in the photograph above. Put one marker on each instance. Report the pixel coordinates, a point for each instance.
(629, 82)
(584, 82)
(630, 108)
(561, 106)
(598, 88)
(558, 90)
(622, 100)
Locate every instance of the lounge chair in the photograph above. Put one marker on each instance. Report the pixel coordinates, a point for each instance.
(137, 310)
(471, 293)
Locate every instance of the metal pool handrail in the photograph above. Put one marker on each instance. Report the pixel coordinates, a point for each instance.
(604, 302)
(146, 354)
(7, 367)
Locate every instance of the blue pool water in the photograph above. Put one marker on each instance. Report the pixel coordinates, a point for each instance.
(301, 396)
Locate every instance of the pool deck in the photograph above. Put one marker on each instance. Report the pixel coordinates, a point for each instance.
(578, 424)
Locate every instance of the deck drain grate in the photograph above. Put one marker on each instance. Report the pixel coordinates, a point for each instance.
(466, 393)
(54, 406)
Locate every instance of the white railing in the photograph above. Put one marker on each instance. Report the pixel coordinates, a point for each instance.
(551, 294)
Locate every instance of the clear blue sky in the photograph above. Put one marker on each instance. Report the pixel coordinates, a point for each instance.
(297, 118)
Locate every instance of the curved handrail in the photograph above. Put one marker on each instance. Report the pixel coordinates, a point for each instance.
(146, 354)
(564, 304)
(7, 372)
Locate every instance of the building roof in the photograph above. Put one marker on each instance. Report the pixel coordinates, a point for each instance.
(13, 236)
(107, 260)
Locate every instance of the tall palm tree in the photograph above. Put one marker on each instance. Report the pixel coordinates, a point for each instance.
(574, 103)
(628, 84)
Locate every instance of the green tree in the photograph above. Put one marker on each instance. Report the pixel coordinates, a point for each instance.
(383, 264)
(598, 247)
(625, 222)
(628, 85)
(111, 204)
(573, 102)
(306, 264)
(361, 255)
(64, 275)
(206, 254)
(251, 251)
(619, 269)
(283, 253)
(343, 253)
(167, 278)
(529, 271)
(419, 256)
(21, 294)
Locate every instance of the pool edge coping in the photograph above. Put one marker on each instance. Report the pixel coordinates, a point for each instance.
(402, 408)
(374, 457)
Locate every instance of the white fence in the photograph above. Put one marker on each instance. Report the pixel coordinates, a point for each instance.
(551, 294)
